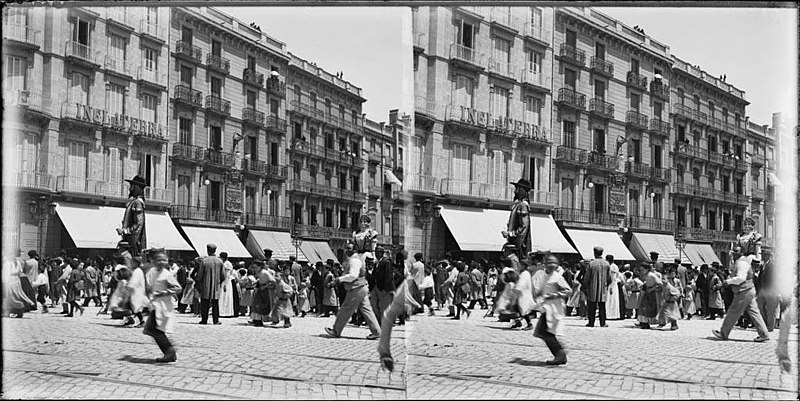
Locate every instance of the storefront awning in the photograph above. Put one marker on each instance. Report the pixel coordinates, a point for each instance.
(225, 240)
(95, 227)
(391, 178)
(699, 254)
(586, 240)
(644, 243)
(280, 242)
(480, 230)
(317, 251)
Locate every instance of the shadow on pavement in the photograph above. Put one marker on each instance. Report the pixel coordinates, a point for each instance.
(523, 362)
(715, 339)
(133, 359)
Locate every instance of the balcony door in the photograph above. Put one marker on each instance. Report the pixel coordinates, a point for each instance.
(80, 32)
(186, 75)
(464, 91)
(216, 48)
(186, 35)
(215, 138)
(465, 34)
(572, 39)
(250, 199)
(567, 193)
(461, 167)
(600, 89)
(570, 79)
(599, 140)
(215, 195)
(599, 198)
(633, 202)
(184, 190)
(76, 163)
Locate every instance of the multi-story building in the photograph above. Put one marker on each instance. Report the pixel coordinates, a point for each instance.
(86, 107)
(228, 131)
(761, 149)
(326, 187)
(384, 152)
(709, 198)
(483, 98)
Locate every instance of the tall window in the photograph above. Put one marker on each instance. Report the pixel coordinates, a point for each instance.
(312, 215)
(151, 15)
(251, 99)
(502, 50)
(343, 180)
(657, 156)
(115, 99)
(216, 48)
(250, 196)
(15, 73)
(215, 137)
(328, 217)
(186, 35)
(184, 190)
(116, 51)
(696, 217)
(712, 144)
(679, 173)
(536, 18)
(600, 51)
(113, 169)
(567, 193)
(726, 221)
(148, 168)
(726, 183)
(216, 86)
(657, 109)
(185, 131)
(498, 168)
(635, 150)
(711, 217)
(533, 110)
(465, 34)
(635, 102)
(499, 102)
(76, 160)
(600, 89)
(312, 171)
(635, 65)
(572, 38)
(464, 91)
(633, 202)
(80, 35)
(298, 213)
(274, 107)
(149, 107)
(186, 75)
(680, 214)
(461, 162)
(657, 206)
(738, 186)
(328, 177)
(533, 60)
(328, 107)
(273, 153)
(568, 134)
(251, 146)
(570, 78)
(79, 88)
(150, 59)
(712, 180)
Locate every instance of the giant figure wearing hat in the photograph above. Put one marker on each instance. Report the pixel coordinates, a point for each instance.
(132, 230)
(519, 223)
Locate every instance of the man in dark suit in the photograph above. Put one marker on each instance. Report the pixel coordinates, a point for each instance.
(596, 280)
(703, 282)
(210, 275)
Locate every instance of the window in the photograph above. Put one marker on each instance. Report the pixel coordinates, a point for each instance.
(599, 140)
(16, 70)
(251, 99)
(712, 181)
(251, 146)
(498, 172)
(635, 150)
(151, 15)
(273, 153)
(250, 196)
(342, 218)
(461, 162)
(354, 115)
(186, 35)
(725, 114)
(342, 144)
(712, 144)
(533, 61)
(296, 171)
(251, 65)
(726, 221)
(696, 102)
(465, 34)
(27, 153)
(116, 52)
(463, 91)
(681, 98)
(328, 217)
(680, 214)
(328, 177)
(570, 78)
(216, 86)
(298, 213)
(297, 130)
(341, 112)
(329, 140)
(312, 215)
(657, 110)
(737, 225)
(635, 100)
(599, 198)
(354, 220)
(533, 110)
(633, 202)
(499, 104)
(150, 57)
(312, 171)
(737, 150)
(572, 38)
(80, 35)
(536, 18)
(567, 193)
(185, 131)
(372, 182)
(147, 168)
(738, 186)
(115, 99)
(696, 218)
(149, 106)
(634, 65)
(216, 48)
(680, 172)
(600, 51)
(696, 177)
(328, 107)
(186, 75)
(657, 156)
(711, 109)
(726, 183)
(342, 180)
(711, 218)
(681, 133)
(215, 140)
(184, 190)
(298, 94)
(274, 107)
(356, 183)
(568, 135)
(502, 50)
(600, 90)
(113, 170)
(726, 147)
(79, 89)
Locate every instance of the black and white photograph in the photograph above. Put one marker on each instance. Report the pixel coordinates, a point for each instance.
(342, 200)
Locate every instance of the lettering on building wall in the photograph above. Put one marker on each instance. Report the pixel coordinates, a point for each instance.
(118, 121)
(487, 120)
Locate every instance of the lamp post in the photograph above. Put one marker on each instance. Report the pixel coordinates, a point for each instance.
(680, 243)
(296, 241)
(39, 209)
(426, 212)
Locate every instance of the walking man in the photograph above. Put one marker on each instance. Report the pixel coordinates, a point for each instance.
(357, 297)
(744, 298)
(383, 277)
(210, 275)
(595, 281)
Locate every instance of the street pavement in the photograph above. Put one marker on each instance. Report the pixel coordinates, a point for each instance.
(51, 356)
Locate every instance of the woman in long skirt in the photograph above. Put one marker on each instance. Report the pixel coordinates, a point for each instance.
(15, 301)
(671, 293)
(226, 307)
(247, 283)
(647, 313)
(161, 288)
(75, 285)
(612, 295)
(262, 297)
(461, 291)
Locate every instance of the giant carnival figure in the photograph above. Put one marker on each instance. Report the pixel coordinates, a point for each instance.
(518, 230)
(133, 222)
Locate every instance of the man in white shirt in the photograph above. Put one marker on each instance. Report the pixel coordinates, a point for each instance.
(744, 298)
(357, 297)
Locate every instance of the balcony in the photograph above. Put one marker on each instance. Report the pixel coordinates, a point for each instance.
(188, 52)
(572, 55)
(651, 223)
(307, 110)
(570, 98)
(690, 113)
(601, 109)
(218, 63)
(715, 157)
(201, 214)
(267, 221)
(276, 87)
(264, 168)
(638, 170)
(22, 36)
(500, 68)
(660, 128)
(421, 183)
(117, 67)
(189, 96)
(663, 175)
(635, 119)
(474, 189)
(702, 234)
(659, 90)
(375, 158)
(152, 31)
(276, 124)
(33, 180)
(535, 33)
(253, 117)
(251, 77)
(758, 160)
(601, 66)
(151, 78)
(314, 231)
(351, 125)
(602, 161)
(569, 155)
(79, 185)
(585, 216)
(637, 81)
(542, 199)
(534, 80)
(218, 105)
(758, 193)
(160, 195)
(466, 57)
(81, 54)
(219, 158)
(186, 152)
(300, 146)
(31, 101)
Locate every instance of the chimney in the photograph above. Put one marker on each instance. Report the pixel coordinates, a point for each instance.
(393, 116)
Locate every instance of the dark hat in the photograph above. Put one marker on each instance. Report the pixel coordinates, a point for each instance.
(121, 245)
(137, 180)
(678, 260)
(653, 253)
(32, 253)
(379, 249)
(509, 247)
(523, 183)
(329, 261)
(598, 249)
(715, 263)
(267, 251)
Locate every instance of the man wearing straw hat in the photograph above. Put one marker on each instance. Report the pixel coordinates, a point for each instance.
(132, 230)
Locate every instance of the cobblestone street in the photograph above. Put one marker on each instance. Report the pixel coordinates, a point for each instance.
(49, 356)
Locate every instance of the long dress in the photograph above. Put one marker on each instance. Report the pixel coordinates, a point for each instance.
(612, 294)
(671, 292)
(226, 307)
(14, 298)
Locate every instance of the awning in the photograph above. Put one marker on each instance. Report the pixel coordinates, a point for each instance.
(586, 240)
(480, 230)
(280, 242)
(644, 243)
(391, 178)
(317, 251)
(92, 226)
(700, 253)
(225, 240)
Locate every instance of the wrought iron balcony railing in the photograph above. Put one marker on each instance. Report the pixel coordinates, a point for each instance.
(572, 54)
(267, 221)
(584, 216)
(651, 223)
(661, 174)
(253, 78)
(22, 34)
(636, 80)
(253, 116)
(421, 183)
(188, 51)
(640, 170)
(571, 155)
(635, 119)
(659, 89)
(220, 158)
(184, 93)
(276, 87)
(189, 152)
(602, 66)
(601, 108)
(276, 124)
(218, 63)
(218, 105)
(202, 214)
(569, 97)
(659, 127)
